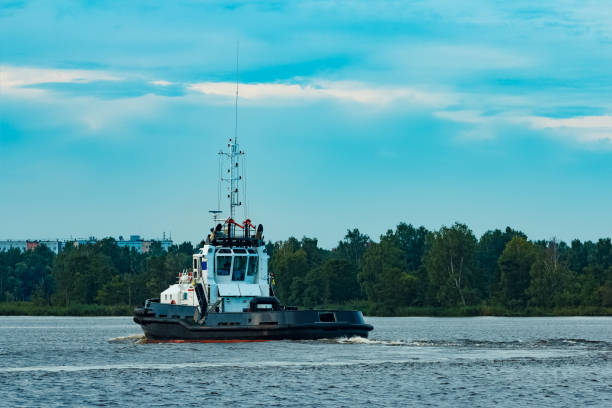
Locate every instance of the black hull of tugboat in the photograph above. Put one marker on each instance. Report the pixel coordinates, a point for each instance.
(163, 322)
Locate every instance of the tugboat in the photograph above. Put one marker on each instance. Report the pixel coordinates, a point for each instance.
(228, 294)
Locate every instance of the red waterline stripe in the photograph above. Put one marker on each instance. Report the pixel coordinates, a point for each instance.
(204, 341)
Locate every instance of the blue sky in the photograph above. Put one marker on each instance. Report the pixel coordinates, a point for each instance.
(353, 114)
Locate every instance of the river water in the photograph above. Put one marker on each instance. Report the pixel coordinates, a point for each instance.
(411, 361)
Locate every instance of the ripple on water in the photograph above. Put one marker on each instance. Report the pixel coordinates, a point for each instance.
(452, 362)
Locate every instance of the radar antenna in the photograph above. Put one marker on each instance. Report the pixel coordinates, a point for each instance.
(233, 172)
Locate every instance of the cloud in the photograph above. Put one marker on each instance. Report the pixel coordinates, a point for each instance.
(34, 83)
(112, 89)
(581, 122)
(585, 129)
(339, 90)
(30, 81)
(161, 82)
(482, 114)
(12, 77)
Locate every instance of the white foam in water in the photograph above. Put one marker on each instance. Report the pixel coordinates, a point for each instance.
(363, 340)
(141, 339)
(163, 367)
(134, 338)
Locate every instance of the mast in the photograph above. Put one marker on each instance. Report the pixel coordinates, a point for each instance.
(233, 182)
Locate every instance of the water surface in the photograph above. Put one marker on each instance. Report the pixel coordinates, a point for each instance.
(77, 361)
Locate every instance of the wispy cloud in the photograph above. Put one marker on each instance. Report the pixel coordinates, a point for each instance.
(12, 77)
(583, 129)
(480, 124)
(582, 122)
(344, 91)
(339, 90)
(161, 82)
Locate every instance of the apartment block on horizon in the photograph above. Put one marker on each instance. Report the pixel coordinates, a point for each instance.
(135, 242)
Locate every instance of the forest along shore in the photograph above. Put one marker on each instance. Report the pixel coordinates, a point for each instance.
(409, 271)
(32, 309)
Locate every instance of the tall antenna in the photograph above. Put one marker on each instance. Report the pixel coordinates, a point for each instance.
(233, 173)
(236, 103)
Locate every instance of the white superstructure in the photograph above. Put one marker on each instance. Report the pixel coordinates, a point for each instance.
(230, 276)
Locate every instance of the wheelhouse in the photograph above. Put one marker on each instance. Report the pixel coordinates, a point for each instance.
(231, 277)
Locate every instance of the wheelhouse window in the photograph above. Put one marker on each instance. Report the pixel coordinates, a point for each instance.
(253, 261)
(240, 263)
(223, 264)
(195, 263)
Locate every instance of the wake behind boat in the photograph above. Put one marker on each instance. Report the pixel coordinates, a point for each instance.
(228, 293)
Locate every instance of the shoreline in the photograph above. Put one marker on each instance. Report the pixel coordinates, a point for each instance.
(31, 309)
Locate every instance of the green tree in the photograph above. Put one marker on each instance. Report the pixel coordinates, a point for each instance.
(489, 249)
(113, 292)
(314, 255)
(352, 247)
(411, 241)
(577, 259)
(550, 279)
(449, 260)
(24, 281)
(185, 248)
(515, 264)
(335, 281)
(80, 272)
(589, 290)
(605, 291)
(288, 263)
(155, 249)
(8, 280)
(160, 271)
(385, 277)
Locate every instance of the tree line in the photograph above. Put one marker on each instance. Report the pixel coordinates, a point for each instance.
(101, 273)
(412, 267)
(408, 267)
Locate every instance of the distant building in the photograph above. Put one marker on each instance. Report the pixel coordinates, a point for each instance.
(146, 246)
(54, 245)
(142, 246)
(10, 244)
(27, 245)
(135, 242)
(166, 243)
(78, 241)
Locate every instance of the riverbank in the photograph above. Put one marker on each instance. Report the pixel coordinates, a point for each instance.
(370, 309)
(32, 309)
